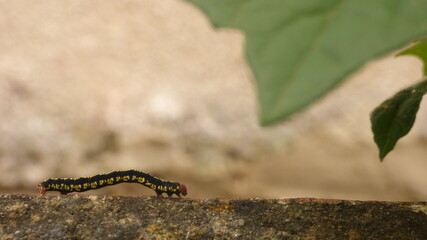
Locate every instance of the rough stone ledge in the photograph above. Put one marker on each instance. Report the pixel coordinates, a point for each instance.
(109, 217)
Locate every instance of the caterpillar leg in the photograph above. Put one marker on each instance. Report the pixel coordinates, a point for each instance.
(62, 193)
(159, 195)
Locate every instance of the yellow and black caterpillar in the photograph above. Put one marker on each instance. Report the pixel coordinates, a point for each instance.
(82, 184)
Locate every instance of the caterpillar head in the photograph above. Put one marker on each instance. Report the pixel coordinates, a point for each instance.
(42, 189)
(183, 189)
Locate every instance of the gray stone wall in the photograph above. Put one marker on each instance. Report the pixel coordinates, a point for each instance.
(101, 217)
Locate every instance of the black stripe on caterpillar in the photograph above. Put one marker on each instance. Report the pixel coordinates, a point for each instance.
(82, 184)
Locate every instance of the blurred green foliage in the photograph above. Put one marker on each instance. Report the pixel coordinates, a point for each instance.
(395, 117)
(419, 50)
(300, 50)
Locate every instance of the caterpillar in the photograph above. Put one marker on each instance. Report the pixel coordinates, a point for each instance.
(82, 184)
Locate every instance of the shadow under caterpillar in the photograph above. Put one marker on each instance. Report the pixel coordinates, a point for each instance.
(82, 184)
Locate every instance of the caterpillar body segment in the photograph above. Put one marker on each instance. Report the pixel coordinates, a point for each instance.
(82, 184)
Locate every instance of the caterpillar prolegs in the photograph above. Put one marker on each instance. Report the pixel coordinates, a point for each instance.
(82, 184)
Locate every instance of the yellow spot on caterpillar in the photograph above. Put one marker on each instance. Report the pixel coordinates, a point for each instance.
(110, 180)
(126, 178)
(134, 177)
(118, 179)
(94, 184)
(141, 180)
(86, 185)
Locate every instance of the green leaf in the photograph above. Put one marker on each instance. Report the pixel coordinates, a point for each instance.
(419, 50)
(300, 49)
(395, 117)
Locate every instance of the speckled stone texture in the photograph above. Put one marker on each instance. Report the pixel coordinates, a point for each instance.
(107, 217)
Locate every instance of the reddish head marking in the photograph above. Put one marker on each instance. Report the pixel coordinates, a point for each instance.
(42, 189)
(183, 189)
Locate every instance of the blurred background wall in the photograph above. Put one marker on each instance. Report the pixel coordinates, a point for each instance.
(89, 87)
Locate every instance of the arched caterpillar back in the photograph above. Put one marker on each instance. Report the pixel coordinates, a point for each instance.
(82, 184)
